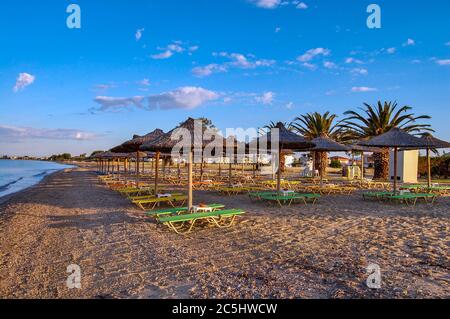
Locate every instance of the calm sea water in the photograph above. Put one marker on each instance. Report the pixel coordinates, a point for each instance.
(18, 175)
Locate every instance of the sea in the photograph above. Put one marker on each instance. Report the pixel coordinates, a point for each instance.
(16, 175)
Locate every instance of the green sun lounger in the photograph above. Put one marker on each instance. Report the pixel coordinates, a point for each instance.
(179, 210)
(177, 200)
(376, 195)
(258, 195)
(288, 200)
(411, 198)
(183, 224)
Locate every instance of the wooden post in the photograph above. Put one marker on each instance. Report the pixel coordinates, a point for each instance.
(179, 170)
(395, 169)
(362, 166)
(190, 193)
(137, 168)
(230, 174)
(279, 172)
(156, 171)
(429, 167)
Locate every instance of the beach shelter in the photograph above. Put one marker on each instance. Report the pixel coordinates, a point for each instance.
(283, 140)
(192, 135)
(431, 143)
(324, 143)
(135, 143)
(396, 138)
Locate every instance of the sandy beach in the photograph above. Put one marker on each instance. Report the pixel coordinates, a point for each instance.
(314, 251)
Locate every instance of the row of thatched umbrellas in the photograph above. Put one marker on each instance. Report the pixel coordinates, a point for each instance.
(159, 142)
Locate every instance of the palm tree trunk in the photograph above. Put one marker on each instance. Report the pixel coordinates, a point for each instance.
(381, 163)
(321, 163)
(282, 162)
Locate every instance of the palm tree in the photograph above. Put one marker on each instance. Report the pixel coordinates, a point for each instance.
(313, 125)
(377, 120)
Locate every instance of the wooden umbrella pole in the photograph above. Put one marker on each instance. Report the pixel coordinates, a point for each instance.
(230, 174)
(179, 170)
(137, 168)
(156, 171)
(429, 167)
(279, 172)
(362, 166)
(190, 193)
(395, 169)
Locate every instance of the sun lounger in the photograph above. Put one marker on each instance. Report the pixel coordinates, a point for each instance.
(176, 200)
(290, 199)
(183, 224)
(411, 198)
(179, 210)
(376, 195)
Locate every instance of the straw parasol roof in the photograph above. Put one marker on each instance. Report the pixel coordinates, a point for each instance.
(134, 144)
(287, 139)
(396, 138)
(166, 143)
(431, 142)
(325, 144)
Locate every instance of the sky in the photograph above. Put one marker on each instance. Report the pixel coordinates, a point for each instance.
(137, 65)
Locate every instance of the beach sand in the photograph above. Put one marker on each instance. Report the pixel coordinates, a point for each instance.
(319, 251)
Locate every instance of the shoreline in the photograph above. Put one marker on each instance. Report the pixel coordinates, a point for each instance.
(7, 197)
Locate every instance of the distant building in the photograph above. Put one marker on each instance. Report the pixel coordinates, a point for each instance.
(343, 160)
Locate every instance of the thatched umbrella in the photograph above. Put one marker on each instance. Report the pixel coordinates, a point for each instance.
(396, 138)
(195, 143)
(135, 143)
(286, 140)
(432, 143)
(362, 150)
(324, 143)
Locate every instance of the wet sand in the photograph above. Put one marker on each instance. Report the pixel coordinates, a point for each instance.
(319, 251)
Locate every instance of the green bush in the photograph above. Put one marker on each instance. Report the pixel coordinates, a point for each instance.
(335, 164)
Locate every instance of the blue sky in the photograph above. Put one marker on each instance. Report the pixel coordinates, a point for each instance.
(136, 65)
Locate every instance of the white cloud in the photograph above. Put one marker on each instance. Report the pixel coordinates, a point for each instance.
(139, 33)
(23, 133)
(172, 49)
(391, 50)
(359, 71)
(302, 6)
(310, 66)
(182, 98)
(330, 65)
(117, 103)
(265, 98)
(312, 53)
(290, 105)
(443, 62)
(266, 4)
(235, 60)
(353, 60)
(202, 71)
(409, 42)
(363, 89)
(23, 80)
(163, 55)
(144, 82)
